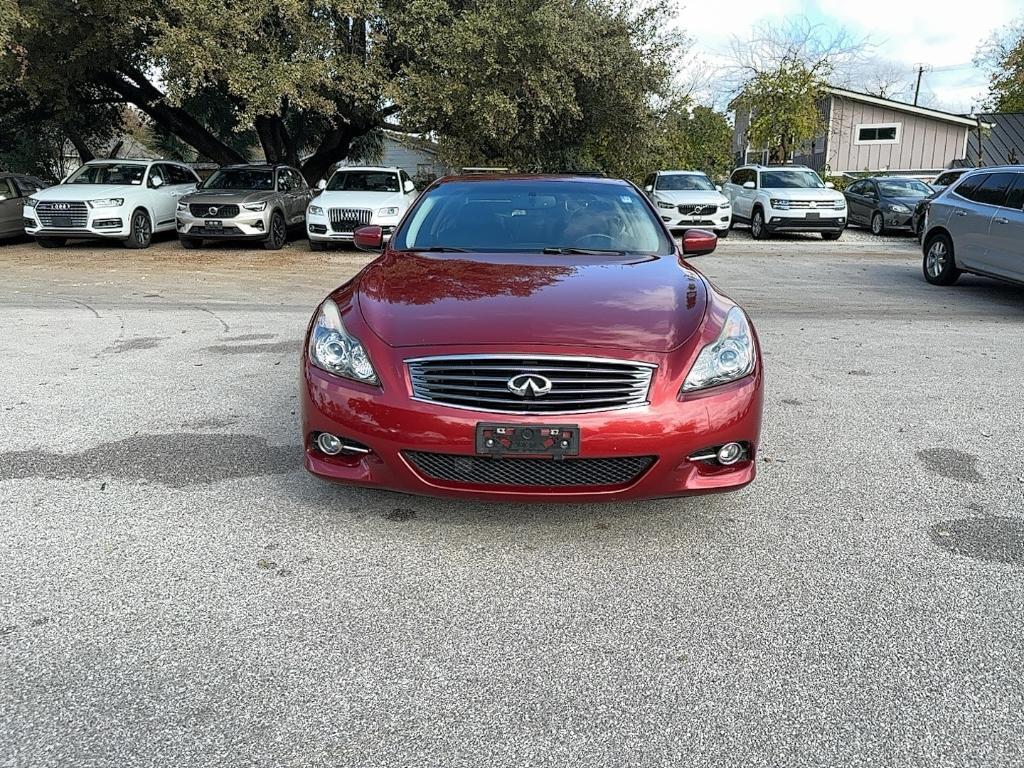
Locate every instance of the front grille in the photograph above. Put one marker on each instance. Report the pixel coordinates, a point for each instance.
(213, 211)
(538, 473)
(698, 209)
(347, 219)
(61, 215)
(828, 205)
(482, 382)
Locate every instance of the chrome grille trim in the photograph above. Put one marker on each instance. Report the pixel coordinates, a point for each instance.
(579, 384)
(76, 211)
(347, 219)
(224, 211)
(697, 209)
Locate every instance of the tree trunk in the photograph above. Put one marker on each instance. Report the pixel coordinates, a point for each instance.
(84, 153)
(334, 147)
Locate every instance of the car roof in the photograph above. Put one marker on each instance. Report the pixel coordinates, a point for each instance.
(255, 166)
(393, 168)
(523, 177)
(126, 161)
(683, 173)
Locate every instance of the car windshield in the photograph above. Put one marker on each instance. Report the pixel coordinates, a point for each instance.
(791, 180)
(241, 178)
(903, 188)
(679, 182)
(109, 173)
(363, 181)
(526, 215)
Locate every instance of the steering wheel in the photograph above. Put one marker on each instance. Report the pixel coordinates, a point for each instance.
(598, 235)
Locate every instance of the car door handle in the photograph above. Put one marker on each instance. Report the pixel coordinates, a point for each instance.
(959, 212)
(1001, 220)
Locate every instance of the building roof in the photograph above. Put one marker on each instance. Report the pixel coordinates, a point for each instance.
(899, 106)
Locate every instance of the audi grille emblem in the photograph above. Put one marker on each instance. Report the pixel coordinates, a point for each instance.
(529, 384)
(62, 206)
(212, 211)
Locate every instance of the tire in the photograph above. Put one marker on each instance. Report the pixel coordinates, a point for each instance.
(722, 233)
(316, 246)
(141, 232)
(877, 224)
(939, 263)
(278, 234)
(190, 243)
(51, 242)
(758, 230)
(831, 235)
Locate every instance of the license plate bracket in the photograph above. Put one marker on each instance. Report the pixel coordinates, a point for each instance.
(62, 222)
(213, 224)
(813, 215)
(554, 440)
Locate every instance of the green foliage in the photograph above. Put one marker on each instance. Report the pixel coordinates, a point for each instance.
(1003, 56)
(692, 139)
(784, 107)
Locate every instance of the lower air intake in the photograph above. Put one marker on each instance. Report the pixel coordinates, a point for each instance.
(482, 470)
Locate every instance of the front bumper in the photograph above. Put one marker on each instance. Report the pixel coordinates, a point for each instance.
(319, 229)
(899, 221)
(719, 221)
(112, 223)
(247, 224)
(786, 222)
(391, 424)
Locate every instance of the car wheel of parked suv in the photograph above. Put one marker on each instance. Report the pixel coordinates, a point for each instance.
(939, 263)
(877, 224)
(278, 233)
(757, 228)
(51, 242)
(189, 243)
(141, 233)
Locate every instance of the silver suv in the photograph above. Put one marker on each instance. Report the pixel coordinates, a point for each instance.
(243, 202)
(977, 226)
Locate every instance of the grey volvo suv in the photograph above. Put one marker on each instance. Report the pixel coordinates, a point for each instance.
(258, 202)
(977, 226)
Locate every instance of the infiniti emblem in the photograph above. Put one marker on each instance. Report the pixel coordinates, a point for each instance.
(212, 211)
(529, 384)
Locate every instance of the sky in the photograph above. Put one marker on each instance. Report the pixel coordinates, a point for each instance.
(940, 34)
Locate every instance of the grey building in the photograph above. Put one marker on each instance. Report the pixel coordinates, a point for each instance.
(1002, 143)
(868, 134)
(416, 156)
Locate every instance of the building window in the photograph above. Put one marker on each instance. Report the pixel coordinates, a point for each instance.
(877, 133)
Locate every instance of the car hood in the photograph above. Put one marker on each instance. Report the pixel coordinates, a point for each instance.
(806, 193)
(633, 303)
(329, 199)
(77, 192)
(227, 196)
(691, 196)
(909, 202)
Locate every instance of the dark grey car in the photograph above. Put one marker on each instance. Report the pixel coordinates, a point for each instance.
(245, 202)
(885, 203)
(977, 225)
(14, 188)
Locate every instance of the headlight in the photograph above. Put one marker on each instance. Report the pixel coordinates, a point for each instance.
(727, 358)
(315, 210)
(726, 204)
(255, 206)
(31, 202)
(182, 206)
(778, 204)
(335, 351)
(663, 204)
(840, 204)
(387, 212)
(109, 202)
(897, 208)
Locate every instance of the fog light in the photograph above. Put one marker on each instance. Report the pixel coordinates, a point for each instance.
(730, 453)
(329, 444)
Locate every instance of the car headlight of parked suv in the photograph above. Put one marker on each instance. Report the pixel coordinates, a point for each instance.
(31, 202)
(663, 204)
(315, 210)
(725, 204)
(897, 208)
(727, 358)
(387, 212)
(779, 204)
(108, 202)
(255, 206)
(182, 206)
(334, 350)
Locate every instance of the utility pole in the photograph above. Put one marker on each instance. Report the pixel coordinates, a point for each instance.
(917, 89)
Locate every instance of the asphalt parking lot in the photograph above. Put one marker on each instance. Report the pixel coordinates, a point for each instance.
(177, 591)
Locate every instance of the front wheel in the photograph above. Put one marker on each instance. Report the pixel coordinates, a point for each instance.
(141, 233)
(757, 228)
(51, 242)
(877, 224)
(722, 233)
(278, 234)
(831, 235)
(939, 263)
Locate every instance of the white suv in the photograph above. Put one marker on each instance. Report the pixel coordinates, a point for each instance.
(687, 199)
(785, 198)
(125, 200)
(355, 197)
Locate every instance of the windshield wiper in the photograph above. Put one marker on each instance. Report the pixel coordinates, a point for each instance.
(586, 251)
(435, 249)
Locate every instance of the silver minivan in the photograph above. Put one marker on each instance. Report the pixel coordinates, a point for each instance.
(977, 226)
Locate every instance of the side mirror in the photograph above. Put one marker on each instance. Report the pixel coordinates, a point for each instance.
(408, 186)
(829, 185)
(699, 242)
(718, 187)
(749, 185)
(649, 188)
(369, 238)
(322, 184)
(156, 182)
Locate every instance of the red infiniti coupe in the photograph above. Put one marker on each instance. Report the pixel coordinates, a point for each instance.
(531, 338)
